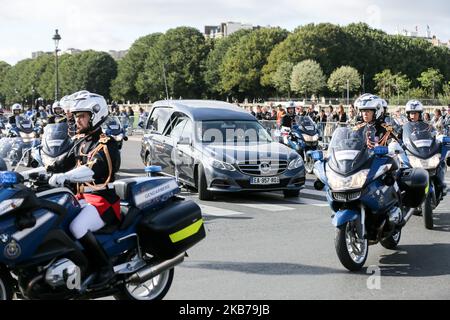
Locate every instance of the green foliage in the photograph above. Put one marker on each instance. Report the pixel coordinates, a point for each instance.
(4, 67)
(181, 52)
(431, 80)
(307, 78)
(281, 79)
(214, 61)
(241, 69)
(339, 78)
(444, 97)
(388, 84)
(124, 86)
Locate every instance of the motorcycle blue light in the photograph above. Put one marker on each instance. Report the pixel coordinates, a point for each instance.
(8, 178)
(153, 169)
(317, 155)
(381, 151)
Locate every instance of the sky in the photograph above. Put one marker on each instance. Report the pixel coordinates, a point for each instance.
(29, 25)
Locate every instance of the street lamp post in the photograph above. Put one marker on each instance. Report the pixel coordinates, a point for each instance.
(56, 38)
(32, 97)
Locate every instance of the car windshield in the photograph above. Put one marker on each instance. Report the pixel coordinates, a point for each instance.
(420, 139)
(348, 148)
(240, 132)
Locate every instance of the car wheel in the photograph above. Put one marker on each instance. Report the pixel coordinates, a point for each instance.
(203, 193)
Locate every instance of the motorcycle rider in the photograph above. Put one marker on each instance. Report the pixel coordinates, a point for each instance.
(102, 206)
(414, 112)
(17, 110)
(57, 113)
(288, 120)
(372, 114)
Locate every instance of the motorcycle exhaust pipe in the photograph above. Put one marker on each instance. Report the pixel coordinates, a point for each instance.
(151, 271)
(408, 216)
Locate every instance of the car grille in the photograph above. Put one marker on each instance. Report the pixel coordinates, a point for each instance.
(253, 167)
(346, 196)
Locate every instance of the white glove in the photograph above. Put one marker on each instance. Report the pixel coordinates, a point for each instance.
(57, 180)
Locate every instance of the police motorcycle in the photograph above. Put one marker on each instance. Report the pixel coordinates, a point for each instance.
(424, 150)
(369, 196)
(114, 129)
(39, 258)
(55, 145)
(304, 138)
(25, 138)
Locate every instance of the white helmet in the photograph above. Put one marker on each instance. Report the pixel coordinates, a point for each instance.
(291, 104)
(370, 102)
(414, 106)
(66, 103)
(16, 107)
(56, 105)
(94, 104)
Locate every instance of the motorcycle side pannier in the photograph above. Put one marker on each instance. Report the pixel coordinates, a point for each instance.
(167, 232)
(415, 182)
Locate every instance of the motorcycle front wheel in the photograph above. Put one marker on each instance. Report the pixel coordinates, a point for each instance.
(309, 164)
(351, 250)
(427, 212)
(6, 292)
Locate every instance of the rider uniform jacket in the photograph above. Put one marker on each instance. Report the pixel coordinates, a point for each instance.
(102, 155)
(288, 120)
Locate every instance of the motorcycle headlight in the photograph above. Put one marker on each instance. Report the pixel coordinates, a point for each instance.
(430, 163)
(340, 183)
(10, 204)
(295, 164)
(308, 138)
(221, 165)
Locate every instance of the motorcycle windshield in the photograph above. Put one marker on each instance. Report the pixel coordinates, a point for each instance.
(420, 139)
(348, 150)
(55, 140)
(25, 125)
(112, 126)
(306, 125)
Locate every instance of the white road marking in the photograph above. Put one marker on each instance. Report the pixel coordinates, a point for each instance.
(218, 212)
(267, 207)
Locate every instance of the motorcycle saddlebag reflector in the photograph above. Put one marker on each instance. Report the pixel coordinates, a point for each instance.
(415, 182)
(146, 192)
(172, 230)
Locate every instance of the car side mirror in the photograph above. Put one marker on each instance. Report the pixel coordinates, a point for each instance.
(184, 141)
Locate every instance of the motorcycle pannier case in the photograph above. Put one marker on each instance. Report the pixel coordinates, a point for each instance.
(167, 232)
(414, 182)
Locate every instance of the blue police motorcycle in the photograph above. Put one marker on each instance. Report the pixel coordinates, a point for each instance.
(369, 196)
(424, 150)
(114, 129)
(39, 258)
(304, 138)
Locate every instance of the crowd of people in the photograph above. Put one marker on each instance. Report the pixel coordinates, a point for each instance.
(328, 118)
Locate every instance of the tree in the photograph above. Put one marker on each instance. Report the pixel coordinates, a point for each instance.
(281, 79)
(431, 80)
(444, 98)
(90, 70)
(214, 60)
(178, 58)
(124, 86)
(241, 69)
(4, 67)
(307, 78)
(344, 78)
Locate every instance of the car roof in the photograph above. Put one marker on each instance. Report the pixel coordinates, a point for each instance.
(203, 110)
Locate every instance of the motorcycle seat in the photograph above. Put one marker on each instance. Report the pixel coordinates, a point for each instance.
(128, 214)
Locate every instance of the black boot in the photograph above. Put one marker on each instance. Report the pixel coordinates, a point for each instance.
(98, 258)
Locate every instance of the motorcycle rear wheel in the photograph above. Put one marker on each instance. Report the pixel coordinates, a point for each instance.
(427, 212)
(6, 291)
(151, 290)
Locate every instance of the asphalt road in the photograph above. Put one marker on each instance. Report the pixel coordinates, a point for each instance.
(266, 247)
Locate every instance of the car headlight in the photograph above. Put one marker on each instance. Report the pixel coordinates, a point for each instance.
(308, 138)
(295, 164)
(430, 163)
(10, 204)
(221, 165)
(339, 183)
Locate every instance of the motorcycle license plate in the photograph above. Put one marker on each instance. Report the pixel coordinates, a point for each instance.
(265, 181)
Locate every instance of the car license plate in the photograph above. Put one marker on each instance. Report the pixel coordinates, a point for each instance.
(264, 180)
